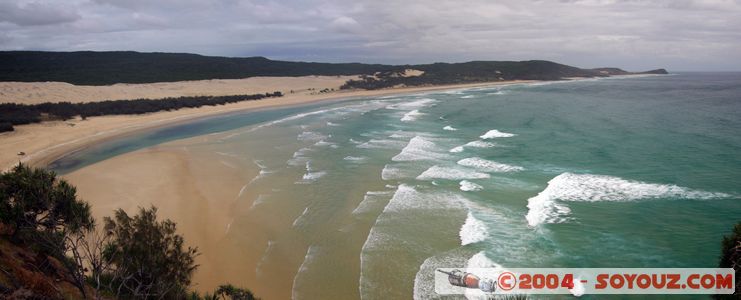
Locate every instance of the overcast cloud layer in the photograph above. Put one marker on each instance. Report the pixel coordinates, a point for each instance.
(633, 34)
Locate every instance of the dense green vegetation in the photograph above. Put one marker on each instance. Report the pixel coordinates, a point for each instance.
(130, 257)
(730, 257)
(479, 71)
(103, 68)
(17, 114)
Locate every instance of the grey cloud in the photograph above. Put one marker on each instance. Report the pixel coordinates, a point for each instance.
(636, 34)
(36, 13)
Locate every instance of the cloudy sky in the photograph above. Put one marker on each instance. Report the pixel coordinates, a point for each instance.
(633, 34)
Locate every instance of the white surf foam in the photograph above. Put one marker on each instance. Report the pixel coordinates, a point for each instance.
(310, 136)
(260, 199)
(548, 206)
(419, 148)
(411, 116)
(241, 191)
(473, 144)
(311, 175)
(438, 172)
(308, 258)
(355, 159)
(264, 258)
(450, 128)
(472, 231)
(488, 165)
(468, 186)
(390, 172)
(370, 199)
(468, 96)
(491, 134)
(480, 144)
(418, 103)
(324, 143)
(382, 144)
(299, 157)
(407, 197)
(300, 218)
(263, 172)
(456, 149)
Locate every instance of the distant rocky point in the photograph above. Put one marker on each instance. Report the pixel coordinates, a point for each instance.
(616, 71)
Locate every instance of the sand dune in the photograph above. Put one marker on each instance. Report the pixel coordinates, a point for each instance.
(39, 92)
(45, 142)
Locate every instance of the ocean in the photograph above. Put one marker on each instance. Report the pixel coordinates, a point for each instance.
(364, 198)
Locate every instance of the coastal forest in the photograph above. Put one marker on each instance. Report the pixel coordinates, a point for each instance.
(18, 114)
(105, 68)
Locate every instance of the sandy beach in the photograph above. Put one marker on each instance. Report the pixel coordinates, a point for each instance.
(44, 142)
(176, 180)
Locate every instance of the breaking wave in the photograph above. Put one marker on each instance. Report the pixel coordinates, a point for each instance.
(548, 206)
(488, 165)
(412, 104)
(438, 172)
(473, 144)
(491, 134)
(419, 148)
(411, 116)
(472, 231)
(468, 186)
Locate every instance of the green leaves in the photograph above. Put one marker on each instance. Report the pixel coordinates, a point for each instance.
(150, 257)
(34, 200)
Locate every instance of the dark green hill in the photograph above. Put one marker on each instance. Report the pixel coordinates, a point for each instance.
(104, 68)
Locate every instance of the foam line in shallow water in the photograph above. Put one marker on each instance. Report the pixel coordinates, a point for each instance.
(310, 256)
(407, 197)
(468, 186)
(473, 144)
(438, 172)
(414, 104)
(487, 165)
(548, 206)
(411, 116)
(419, 148)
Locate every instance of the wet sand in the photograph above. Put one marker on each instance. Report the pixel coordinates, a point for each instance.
(45, 142)
(182, 182)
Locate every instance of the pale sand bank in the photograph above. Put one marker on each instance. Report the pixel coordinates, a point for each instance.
(39, 92)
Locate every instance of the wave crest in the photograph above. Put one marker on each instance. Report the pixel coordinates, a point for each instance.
(547, 206)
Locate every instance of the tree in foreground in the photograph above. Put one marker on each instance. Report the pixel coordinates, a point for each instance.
(730, 257)
(34, 201)
(149, 259)
(135, 257)
(43, 211)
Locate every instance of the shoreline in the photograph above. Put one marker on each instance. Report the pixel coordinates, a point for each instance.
(57, 139)
(221, 215)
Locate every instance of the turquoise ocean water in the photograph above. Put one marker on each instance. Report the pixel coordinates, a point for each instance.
(378, 192)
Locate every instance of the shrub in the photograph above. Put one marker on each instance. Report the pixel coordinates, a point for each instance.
(34, 201)
(149, 257)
